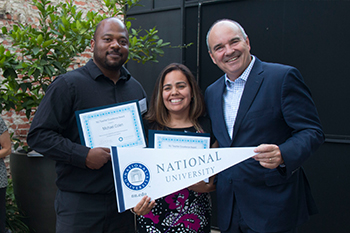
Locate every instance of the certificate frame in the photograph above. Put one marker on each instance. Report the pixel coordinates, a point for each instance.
(159, 136)
(87, 128)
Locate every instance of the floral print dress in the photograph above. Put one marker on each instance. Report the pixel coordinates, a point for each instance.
(182, 211)
(3, 174)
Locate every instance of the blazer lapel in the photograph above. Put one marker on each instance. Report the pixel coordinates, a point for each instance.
(220, 119)
(251, 88)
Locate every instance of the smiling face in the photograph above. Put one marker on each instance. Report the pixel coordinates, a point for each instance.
(228, 49)
(110, 45)
(177, 93)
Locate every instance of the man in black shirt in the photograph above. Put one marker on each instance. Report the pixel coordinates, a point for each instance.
(86, 200)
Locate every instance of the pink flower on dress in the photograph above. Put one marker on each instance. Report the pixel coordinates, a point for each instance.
(190, 221)
(177, 199)
(154, 218)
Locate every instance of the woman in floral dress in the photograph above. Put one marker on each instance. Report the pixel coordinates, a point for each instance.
(177, 105)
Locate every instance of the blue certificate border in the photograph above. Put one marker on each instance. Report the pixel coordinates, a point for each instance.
(106, 107)
(151, 136)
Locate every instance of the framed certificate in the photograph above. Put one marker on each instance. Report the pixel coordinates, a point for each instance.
(178, 140)
(113, 125)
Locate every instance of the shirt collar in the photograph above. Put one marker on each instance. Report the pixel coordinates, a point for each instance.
(244, 75)
(124, 74)
(95, 72)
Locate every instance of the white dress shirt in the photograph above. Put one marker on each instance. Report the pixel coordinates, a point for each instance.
(232, 97)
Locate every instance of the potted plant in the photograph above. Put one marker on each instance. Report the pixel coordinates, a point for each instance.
(38, 54)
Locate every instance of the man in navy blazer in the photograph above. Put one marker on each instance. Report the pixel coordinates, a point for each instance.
(269, 106)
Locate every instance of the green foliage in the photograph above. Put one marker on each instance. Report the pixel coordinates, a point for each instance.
(13, 215)
(18, 143)
(145, 48)
(145, 45)
(40, 53)
(120, 7)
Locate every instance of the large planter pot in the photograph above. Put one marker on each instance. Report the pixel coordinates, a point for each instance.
(34, 188)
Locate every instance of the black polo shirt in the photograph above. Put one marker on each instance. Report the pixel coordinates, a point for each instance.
(54, 131)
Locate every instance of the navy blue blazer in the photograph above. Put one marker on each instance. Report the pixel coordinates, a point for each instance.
(276, 108)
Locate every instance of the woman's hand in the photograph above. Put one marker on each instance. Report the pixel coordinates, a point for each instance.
(144, 206)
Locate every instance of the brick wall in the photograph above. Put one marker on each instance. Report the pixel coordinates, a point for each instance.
(14, 11)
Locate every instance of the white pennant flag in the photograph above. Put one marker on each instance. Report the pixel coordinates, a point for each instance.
(156, 173)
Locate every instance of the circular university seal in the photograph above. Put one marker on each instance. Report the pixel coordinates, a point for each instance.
(136, 176)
